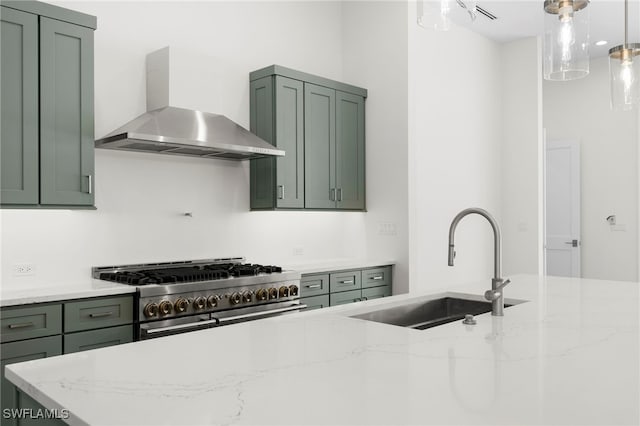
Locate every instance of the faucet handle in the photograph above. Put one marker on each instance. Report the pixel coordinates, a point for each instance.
(503, 284)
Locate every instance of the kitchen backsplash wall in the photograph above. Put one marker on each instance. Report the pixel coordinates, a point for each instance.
(142, 198)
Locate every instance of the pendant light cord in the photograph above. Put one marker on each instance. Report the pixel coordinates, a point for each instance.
(626, 22)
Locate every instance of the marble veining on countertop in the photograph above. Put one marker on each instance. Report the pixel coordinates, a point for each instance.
(14, 295)
(569, 355)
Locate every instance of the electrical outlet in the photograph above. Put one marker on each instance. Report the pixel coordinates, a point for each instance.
(298, 251)
(24, 269)
(387, 228)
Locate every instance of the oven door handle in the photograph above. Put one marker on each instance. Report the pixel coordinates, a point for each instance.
(261, 314)
(151, 331)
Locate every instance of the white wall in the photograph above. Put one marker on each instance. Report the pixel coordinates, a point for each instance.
(455, 133)
(521, 156)
(140, 197)
(375, 57)
(609, 156)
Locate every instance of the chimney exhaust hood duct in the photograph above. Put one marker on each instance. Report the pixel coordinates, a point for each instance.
(166, 129)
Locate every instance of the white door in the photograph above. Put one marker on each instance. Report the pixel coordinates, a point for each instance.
(562, 205)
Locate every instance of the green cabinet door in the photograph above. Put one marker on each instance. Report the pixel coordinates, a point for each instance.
(19, 110)
(290, 138)
(320, 147)
(25, 350)
(350, 173)
(66, 114)
(263, 170)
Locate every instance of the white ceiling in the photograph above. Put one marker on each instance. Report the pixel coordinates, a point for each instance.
(525, 18)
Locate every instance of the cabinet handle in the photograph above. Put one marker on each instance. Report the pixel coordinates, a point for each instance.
(332, 194)
(90, 189)
(314, 286)
(377, 278)
(100, 314)
(280, 192)
(339, 194)
(21, 325)
(364, 298)
(346, 282)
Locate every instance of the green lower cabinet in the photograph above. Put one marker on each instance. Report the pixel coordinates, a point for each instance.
(343, 281)
(25, 350)
(21, 323)
(345, 297)
(38, 412)
(314, 285)
(94, 339)
(376, 277)
(376, 292)
(315, 302)
(98, 313)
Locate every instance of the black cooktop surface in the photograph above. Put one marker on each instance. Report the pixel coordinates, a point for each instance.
(187, 274)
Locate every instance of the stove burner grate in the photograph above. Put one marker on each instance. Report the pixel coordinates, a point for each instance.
(216, 271)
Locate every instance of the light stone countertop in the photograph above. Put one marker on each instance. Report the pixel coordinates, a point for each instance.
(570, 355)
(14, 295)
(336, 265)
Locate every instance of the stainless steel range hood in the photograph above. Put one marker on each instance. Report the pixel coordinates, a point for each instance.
(166, 129)
(180, 131)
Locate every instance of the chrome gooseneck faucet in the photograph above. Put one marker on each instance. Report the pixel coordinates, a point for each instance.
(494, 295)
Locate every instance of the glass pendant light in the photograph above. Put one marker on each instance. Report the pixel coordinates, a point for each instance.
(624, 70)
(566, 39)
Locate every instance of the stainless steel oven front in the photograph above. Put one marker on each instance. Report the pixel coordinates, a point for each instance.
(153, 329)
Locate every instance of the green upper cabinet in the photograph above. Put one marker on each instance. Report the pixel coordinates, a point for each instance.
(47, 144)
(350, 174)
(277, 113)
(19, 75)
(319, 123)
(320, 144)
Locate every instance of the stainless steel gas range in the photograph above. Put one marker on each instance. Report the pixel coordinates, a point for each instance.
(175, 297)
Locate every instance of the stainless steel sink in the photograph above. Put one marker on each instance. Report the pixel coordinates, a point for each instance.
(428, 313)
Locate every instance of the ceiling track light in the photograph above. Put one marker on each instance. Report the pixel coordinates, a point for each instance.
(566, 39)
(624, 70)
(438, 17)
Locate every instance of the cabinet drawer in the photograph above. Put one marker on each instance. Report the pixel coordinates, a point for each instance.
(313, 285)
(376, 277)
(93, 339)
(98, 313)
(315, 302)
(376, 292)
(345, 297)
(27, 323)
(344, 281)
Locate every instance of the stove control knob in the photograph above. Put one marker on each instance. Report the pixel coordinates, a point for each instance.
(283, 291)
(293, 290)
(181, 305)
(273, 293)
(165, 307)
(235, 298)
(212, 301)
(151, 310)
(199, 303)
(247, 297)
(262, 295)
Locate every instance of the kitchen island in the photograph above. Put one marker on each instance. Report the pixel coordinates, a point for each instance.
(569, 355)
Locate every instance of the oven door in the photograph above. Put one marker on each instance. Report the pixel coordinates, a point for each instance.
(233, 316)
(168, 327)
